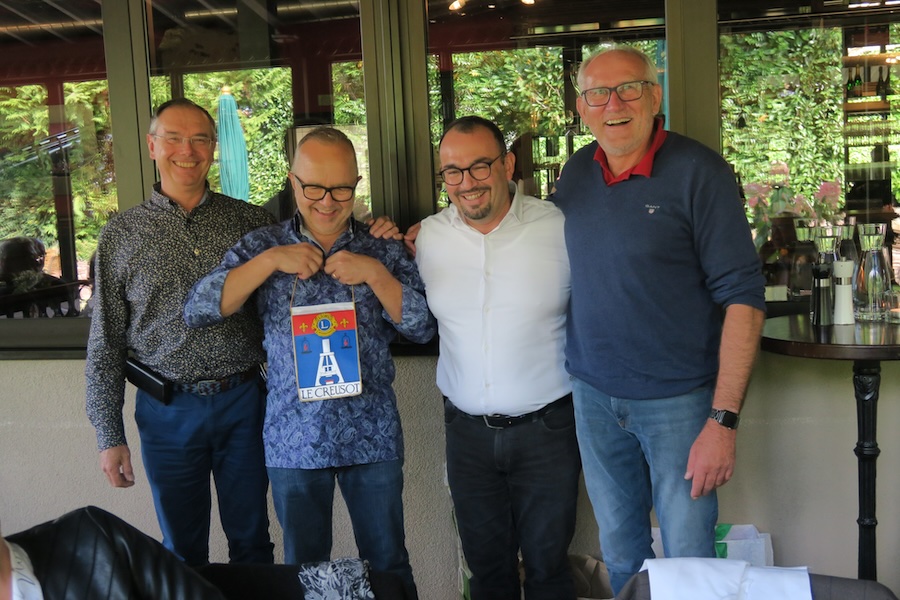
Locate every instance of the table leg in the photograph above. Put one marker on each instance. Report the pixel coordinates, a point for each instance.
(866, 380)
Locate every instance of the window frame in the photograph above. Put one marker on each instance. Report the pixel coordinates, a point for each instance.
(401, 157)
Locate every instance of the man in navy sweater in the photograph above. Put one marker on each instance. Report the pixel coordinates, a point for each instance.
(666, 312)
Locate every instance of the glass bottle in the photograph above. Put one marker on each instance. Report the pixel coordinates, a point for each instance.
(872, 278)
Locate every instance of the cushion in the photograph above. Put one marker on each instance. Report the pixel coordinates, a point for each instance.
(340, 579)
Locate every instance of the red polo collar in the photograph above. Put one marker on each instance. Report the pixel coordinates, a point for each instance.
(644, 167)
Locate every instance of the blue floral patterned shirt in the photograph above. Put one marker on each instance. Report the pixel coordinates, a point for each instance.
(329, 433)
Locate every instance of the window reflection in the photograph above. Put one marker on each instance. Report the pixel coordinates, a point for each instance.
(57, 178)
(57, 185)
(513, 62)
(287, 65)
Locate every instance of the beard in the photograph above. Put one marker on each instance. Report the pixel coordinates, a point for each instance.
(475, 213)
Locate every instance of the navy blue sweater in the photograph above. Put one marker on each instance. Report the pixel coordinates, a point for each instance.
(654, 261)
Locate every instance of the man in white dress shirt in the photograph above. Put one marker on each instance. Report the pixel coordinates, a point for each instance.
(496, 275)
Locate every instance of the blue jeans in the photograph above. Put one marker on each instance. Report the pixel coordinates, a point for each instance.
(183, 443)
(634, 455)
(515, 488)
(373, 494)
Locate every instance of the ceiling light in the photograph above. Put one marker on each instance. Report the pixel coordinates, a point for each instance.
(529, 2)
(457, 4)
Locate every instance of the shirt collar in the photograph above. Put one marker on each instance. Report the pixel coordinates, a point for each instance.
(160, 199)
(644, 166)
(25, 585)
(301, 230)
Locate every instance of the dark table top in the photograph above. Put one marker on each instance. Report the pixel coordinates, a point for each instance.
(794, 335)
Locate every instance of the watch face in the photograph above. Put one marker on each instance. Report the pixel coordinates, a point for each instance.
(726, 418)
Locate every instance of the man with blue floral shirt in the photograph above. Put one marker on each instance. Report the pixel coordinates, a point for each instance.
(320, 257)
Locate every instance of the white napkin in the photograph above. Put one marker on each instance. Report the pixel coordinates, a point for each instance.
(763, 583)
(723, 579)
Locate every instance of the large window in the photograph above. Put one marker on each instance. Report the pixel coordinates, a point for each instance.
(514, 63)
(809, 118)
(290, 65)
(57, 175)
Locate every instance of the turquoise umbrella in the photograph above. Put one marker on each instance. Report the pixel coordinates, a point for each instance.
(232, 149)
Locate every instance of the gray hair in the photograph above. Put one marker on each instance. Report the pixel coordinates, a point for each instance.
(183, 102)
(650, 74)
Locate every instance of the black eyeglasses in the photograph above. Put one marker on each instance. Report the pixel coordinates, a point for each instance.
(195, 141)
(339, 193)
(627, 92)
(479, 171)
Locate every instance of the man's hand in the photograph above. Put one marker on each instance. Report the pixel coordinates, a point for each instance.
(115, 462)
(384, 227)
(410, 238)
(711, 461)
(304, 259)
(353, 269)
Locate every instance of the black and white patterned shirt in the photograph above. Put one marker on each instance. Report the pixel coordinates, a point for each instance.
(148, 257)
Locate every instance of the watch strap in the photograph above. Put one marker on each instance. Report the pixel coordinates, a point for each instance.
(725, 418)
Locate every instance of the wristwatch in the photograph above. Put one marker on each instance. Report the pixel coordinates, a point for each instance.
(725, 418)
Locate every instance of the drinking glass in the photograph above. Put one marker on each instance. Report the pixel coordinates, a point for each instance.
(827, 239)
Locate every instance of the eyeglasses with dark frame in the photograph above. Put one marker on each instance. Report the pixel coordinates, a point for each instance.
(339, 193)
(479, 171)
(195, 141)
(627, 92)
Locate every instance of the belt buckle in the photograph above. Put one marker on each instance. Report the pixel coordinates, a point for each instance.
(488, 423)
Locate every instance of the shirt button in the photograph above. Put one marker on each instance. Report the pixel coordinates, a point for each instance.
(196, 251)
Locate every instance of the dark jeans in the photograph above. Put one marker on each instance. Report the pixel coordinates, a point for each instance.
(373, 494)
(185, 441)
(515, 488)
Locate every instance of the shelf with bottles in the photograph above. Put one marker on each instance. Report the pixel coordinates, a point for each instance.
(867, 86)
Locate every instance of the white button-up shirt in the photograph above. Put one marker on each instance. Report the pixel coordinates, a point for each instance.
(500, 300)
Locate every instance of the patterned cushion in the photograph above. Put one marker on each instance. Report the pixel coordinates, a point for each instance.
(341, 579)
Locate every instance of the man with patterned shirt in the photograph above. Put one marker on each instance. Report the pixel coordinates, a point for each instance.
(148, 257)
(319, 257)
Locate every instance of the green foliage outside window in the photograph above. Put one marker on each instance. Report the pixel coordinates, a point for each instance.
(265, 106)
(781, 102)
(83, 166)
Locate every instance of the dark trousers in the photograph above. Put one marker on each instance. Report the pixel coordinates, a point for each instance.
(183, 443)
(515, 488)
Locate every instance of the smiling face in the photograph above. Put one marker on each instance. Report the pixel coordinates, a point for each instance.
(483, 204)
(182, 167)
(623, 129)
(326, 164)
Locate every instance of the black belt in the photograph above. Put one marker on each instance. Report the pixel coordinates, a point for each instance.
(209, 387)
(504, 421)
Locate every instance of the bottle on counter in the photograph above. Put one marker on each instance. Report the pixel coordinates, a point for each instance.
(843, 291)
(822, 299)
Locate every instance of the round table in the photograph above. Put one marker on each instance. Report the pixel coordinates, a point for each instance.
(866, 344)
